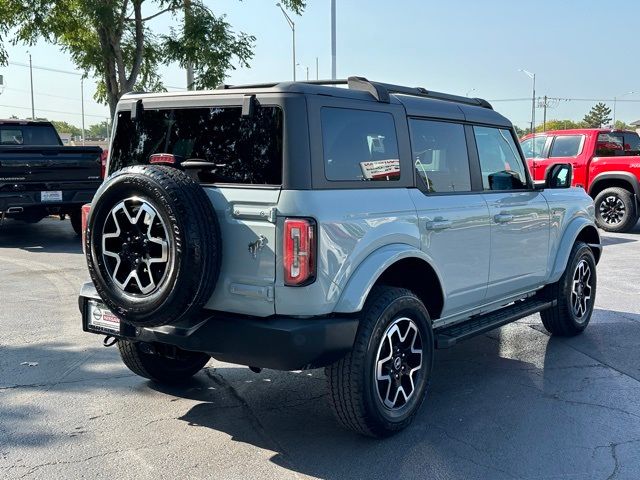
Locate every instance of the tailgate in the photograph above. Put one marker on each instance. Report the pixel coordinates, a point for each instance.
(247, 225)
(57, 165)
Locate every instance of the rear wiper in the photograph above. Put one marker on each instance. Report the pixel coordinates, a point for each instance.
(199, 163)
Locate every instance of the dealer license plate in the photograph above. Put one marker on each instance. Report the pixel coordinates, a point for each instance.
(52, 196)
(100, 319)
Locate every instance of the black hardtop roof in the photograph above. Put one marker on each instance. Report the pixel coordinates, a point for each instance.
(417, 101)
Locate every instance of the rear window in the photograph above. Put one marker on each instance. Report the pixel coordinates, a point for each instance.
(242, 150)
(359, 145)
(566, 146)
(28, 135)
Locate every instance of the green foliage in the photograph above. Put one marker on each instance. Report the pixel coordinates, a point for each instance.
(98, 130)
(113, 41)
(64, 127)
(598, 116)
(559, 125)
(620, 125)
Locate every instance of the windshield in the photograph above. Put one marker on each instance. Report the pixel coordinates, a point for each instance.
(246, 150)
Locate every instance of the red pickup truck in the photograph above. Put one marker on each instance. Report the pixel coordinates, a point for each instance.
(606, 163)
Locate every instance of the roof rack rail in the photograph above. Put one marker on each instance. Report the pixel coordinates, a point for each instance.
(381, 91)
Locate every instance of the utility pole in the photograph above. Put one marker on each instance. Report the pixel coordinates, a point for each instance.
(544, 115)
(333, 39)
(317, 72)
(33, 108)
(187, 14)
(615, 100)
(293, 32)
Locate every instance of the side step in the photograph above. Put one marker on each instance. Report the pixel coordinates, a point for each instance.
(448, 336)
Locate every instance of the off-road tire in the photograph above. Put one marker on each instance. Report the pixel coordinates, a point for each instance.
(195, 245)
(159, 368)
(561, 320)
(630, 216)
(353, 394)
(76, 221)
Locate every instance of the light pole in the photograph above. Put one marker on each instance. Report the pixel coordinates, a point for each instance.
(82, 105)
(615, 100)
(293, 32)
(33, 108)
(333, 39)
(305, 67)
(532, 76)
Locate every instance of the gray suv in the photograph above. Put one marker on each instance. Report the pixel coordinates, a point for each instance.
(351, 225)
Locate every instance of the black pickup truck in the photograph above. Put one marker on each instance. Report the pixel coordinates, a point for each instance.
(39, 176)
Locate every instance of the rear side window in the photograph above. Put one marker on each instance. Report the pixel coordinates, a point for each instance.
(631, 144)
(609, 145)
(242, 150)
(566, 146)
(500, 162)
(28, 135)
(440, 156)
(359, 145)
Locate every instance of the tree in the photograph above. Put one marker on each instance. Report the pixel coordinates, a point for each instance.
(98, 130)
(64, 127)
(620, 125)
(598, 116)
(113, 39)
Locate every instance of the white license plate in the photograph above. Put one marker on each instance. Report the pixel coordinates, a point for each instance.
(53, 196)
(101, 319)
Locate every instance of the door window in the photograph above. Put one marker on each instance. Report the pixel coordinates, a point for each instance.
(566, 146)
(609, 145)
(440, 156)
(533, 147)
(500, 162)
(359, 145)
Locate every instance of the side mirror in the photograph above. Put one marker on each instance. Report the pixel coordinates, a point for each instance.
(558, 176)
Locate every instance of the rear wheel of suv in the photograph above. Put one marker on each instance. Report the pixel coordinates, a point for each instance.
(615, 210)
(153, 245)
(574, 293)
(378, 387)
(141, 360)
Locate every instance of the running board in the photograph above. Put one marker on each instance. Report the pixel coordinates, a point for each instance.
(448, 336)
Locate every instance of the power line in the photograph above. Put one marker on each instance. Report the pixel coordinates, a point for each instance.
(49, 69)
(562, 99)
(44, 94)
(56, 111)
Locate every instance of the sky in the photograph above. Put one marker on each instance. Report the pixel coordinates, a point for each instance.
(578, 50)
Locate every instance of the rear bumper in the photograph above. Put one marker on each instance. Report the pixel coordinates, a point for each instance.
(280, 343)
(31, 199)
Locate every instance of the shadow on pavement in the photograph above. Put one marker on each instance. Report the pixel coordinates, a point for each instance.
(510, 405)
(50, 235)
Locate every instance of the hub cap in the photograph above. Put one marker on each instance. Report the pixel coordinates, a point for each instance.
(612, 210)
(135, 246)
(581, 289)
(398, 363)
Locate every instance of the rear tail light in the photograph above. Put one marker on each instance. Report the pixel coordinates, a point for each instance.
(163, 158)
(299, 251)
(103, 163)
(85, 218)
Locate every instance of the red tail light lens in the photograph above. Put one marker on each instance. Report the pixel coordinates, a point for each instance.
(165, 158)
(85, 218)
(103, 163)
(299, 251)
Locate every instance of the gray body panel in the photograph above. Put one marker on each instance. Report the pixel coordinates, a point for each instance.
(365, 227)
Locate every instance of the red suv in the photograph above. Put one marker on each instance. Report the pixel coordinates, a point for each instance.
(606, 163)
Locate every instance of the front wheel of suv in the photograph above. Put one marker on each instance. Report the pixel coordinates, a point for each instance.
(574, 293)
(162, 369)
(615, 210)
(377, 388)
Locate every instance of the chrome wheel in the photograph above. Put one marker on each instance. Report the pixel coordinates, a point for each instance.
(612, 210)
(135, 246)
(398, 363)
(581, 290)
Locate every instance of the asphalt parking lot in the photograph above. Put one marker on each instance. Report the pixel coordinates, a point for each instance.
(511, 404)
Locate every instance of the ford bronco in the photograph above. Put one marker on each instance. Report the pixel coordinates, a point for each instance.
(351, 225)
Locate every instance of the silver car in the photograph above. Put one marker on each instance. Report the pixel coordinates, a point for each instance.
(305, 225)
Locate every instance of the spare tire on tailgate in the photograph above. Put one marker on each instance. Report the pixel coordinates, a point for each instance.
(153, 245)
